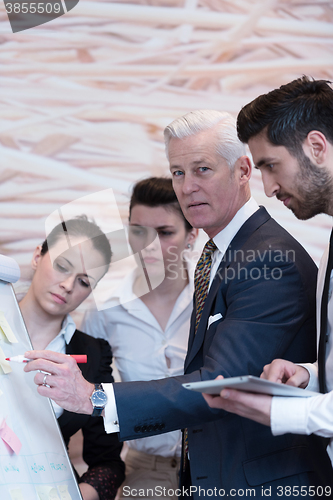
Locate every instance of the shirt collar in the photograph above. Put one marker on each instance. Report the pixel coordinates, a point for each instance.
(68, 328)
(127, 298)
(125, 293)
(223, 239)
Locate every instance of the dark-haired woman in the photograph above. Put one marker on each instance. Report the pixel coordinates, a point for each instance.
(148, 332)
(63, 278)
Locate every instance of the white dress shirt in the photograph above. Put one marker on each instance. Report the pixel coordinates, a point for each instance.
(311, 415)
(58, 344)
(222, 241)
(142, 350)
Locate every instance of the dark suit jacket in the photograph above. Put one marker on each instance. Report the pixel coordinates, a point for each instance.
(265, 291)
(99, 448)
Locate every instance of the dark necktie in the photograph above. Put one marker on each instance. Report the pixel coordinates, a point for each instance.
(201, 285)
(201, 279)
(323, 321)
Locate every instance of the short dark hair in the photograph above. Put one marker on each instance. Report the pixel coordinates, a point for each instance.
(156, 192)
(80, 226)
(289, 113)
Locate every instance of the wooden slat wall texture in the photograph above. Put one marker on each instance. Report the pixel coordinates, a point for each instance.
(84, 99)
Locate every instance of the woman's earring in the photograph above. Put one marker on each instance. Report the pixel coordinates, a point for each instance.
(189, 246)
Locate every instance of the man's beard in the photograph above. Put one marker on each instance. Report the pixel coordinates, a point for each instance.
(314, 187)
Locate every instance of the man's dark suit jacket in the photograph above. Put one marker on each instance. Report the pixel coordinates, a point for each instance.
(99, 448)
(265, 291)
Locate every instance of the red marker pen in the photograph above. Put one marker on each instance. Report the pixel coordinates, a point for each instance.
(79, 358)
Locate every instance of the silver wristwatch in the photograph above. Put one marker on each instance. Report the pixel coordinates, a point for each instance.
(98, 400)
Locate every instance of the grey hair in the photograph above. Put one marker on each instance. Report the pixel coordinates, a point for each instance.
(228, 145)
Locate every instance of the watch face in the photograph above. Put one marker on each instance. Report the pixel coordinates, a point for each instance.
(99, 398)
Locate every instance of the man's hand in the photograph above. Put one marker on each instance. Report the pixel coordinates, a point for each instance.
(286, 372)
(257, 407)
(67, 387)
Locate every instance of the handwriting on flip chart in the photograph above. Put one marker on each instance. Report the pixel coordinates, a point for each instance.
(32, 452)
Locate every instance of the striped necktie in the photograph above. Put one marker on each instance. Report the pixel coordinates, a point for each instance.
(201, 284)
(323, 321)
(201, 279)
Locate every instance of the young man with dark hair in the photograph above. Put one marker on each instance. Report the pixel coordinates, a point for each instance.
(290, 134)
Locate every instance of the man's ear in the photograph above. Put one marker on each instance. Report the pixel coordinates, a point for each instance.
(244, 167)
(192, 236)
(36, 257)
(315, 147)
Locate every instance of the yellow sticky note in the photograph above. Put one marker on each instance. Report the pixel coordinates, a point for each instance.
(64, 493)
(6, 329)
(47, 493)
(5, 365)
(16, 494)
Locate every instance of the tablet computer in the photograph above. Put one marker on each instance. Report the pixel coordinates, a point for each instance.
(249, 383)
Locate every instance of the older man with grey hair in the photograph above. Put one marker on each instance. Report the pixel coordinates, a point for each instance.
(254, 301)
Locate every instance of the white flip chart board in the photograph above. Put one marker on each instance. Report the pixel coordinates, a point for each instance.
(34, 464)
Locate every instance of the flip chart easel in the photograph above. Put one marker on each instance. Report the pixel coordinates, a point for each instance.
(34, 464)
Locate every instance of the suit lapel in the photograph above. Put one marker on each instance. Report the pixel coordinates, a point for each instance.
(248, 228)
(196, 340)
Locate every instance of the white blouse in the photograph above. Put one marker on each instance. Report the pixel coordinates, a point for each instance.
(142, 350)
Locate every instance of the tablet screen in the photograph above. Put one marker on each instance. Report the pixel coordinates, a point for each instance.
(249, 383)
